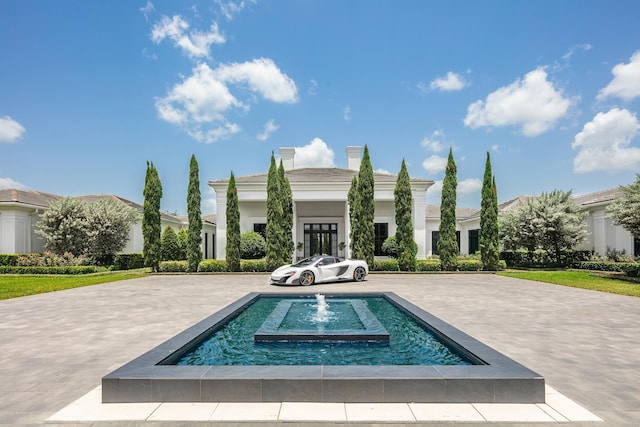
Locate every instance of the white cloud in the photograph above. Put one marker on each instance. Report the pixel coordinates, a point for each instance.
(422, 87)
(604, 142)
(269, 128)
(625, 83)
(195, 44)
(209, 202)
(495, 148)
(434, 142)
(231, 8)
(532, 103)
(452, 81)
(201, 101)
(6, 183)
(434, 164)
(469, 186)
(383, 171)
(313, 87)
(263, 76)
(316, 154)
(10, 130)
(146, 10)
(346, 113)
(434, 192)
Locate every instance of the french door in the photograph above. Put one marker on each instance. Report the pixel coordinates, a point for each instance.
(321, 239)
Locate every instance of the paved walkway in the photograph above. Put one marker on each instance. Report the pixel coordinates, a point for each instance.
(54, 348)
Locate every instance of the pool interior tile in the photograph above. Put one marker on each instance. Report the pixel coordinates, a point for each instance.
(445, 412)
(312, 411)
(183, 411)
(386, 412)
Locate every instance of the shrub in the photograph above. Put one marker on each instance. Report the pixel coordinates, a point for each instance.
(540, 258)
(253, 265)
(602, 265)
(632, 269)
(212, 266)
(49, 259)
(428, 265)
(385, 265)
(169, 245)
(389, 247)
(252, 246)
(8, 259)
(173, 267)
(130, 261)
(469, 265)
(67, 269)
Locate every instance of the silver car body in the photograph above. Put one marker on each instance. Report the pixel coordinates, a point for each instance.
(320, 269)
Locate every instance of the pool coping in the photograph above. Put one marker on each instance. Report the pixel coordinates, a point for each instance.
(499, 380)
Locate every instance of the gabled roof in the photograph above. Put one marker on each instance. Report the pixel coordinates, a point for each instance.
(316, 175)
(598, 197)
(433, 212)
(27, 197)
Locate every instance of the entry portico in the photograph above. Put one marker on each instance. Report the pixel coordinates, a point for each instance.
(320, 206)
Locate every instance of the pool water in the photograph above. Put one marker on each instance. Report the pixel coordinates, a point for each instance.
(409, 343)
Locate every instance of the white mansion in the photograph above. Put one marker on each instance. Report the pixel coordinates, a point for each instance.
(321, 214)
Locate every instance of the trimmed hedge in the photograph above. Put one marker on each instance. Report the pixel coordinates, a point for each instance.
(253, 265)
(173, 266)
(130, 261)
(602, 265)
(428, 265)
(212, 266)
(540, 258)
(8, 259)
(385, 265)
(68, 269)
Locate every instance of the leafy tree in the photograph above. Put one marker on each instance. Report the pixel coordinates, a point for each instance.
(194, 243)
(405, 243)
(63, 226)
(287, 213)
(108, 227)
(274, 217)
(559, 222)
(170, 247)
(151, 226)
(233, 227)
(183, 238)
(625, 211)
(252, 245)
(552, 221)
(489, 232)
(365, 237)
(354, 208)
(448, 242)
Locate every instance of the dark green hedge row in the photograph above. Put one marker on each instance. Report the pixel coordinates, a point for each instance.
(8, 259)
(540, 258)
(70, 269)
(432, 265)
(632, 269)
(130, 261)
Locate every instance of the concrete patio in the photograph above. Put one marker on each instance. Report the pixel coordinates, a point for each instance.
(55, 348)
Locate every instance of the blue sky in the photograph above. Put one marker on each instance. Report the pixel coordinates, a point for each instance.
(91, 90)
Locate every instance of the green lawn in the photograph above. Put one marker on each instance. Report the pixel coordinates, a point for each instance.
(580, 279)
(12, 286)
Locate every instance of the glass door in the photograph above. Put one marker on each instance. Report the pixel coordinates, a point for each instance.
(320, 239)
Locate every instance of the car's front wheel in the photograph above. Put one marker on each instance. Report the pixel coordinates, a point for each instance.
(359, 274)
(307, 278)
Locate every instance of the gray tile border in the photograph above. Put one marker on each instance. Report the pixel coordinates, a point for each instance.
(496, 379)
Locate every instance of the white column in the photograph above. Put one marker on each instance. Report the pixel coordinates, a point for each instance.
(419, 222)
(221, 225)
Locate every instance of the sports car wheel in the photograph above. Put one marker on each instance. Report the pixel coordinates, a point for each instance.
(307, 278)
(359, 274)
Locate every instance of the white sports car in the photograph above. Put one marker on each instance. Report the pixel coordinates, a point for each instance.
(320, 269)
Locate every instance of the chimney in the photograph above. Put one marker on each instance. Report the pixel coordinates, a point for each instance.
(287, 154)
(353, 157)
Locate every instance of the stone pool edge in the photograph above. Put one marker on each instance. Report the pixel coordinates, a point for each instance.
(500, 380)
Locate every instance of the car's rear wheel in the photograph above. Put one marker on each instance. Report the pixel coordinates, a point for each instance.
(307, 278)
(359, 274)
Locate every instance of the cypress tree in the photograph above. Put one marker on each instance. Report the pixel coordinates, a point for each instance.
(170, 245)
(405, 243)
(151, 227)
(233, 227)
(448, 243)
(287, 211)
(489, 240)
(194, 245)
(274, 217)
(365, 238)
(353, 215)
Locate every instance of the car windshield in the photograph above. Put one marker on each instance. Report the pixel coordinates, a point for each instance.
(306, 261)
